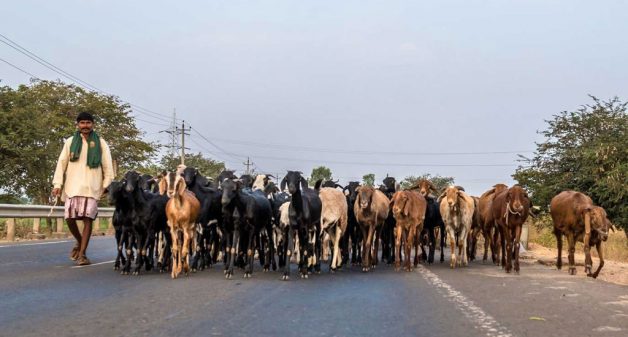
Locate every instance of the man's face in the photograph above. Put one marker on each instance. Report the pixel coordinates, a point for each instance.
(85, 126)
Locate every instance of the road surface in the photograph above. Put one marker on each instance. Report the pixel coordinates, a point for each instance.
(42, 293)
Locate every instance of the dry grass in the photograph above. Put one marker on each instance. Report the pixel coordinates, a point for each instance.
(615, 248)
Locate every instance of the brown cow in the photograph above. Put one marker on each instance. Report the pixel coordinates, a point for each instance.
(575, 216)
(489, 229)
(371, 210)
(456, 208)
(409, 211)
(510, 210)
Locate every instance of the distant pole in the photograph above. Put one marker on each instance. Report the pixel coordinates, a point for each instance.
(182, 142)
(248, 164)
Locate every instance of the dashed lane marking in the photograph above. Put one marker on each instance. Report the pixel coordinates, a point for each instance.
(475, 314)
(93, 264)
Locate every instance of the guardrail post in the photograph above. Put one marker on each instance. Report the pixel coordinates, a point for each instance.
(36, 226)
(59, 225)
(10, 229)
(110, 229)
(96, 226)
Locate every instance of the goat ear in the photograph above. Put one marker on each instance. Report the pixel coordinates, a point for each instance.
(303, 183)
(180, 186)
(283, 183)
(406, 207)
(442, 195)
(163, 185)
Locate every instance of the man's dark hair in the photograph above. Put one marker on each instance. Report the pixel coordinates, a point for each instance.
(84, 116)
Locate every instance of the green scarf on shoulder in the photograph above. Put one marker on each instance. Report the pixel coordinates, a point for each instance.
(94, 152)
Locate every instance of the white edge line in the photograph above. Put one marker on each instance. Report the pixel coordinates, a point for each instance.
(34, 244)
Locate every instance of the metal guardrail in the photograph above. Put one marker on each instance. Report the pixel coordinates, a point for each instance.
(41, 211)
(38, 212)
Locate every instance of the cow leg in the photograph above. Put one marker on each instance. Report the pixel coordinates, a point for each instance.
(175, 253)
(452, 244)
(600, 254)
(228, 244)
(235, 248)
(119, 239)
(487, 243)
(571, 242)
(442, 242)
(413, 243)
(250, 253)
(398, 234)
(188, 238)
(431, 245)
(288, 238)
(462, 246)
(496, 247)
(517, 245)
(507, 242)
(502, 238)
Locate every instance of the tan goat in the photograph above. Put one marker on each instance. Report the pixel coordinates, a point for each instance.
(182, 211)
(456, 208)
(333, 220)
(371, 210)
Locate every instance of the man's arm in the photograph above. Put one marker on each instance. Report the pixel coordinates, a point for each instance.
(62, 164)
(107, 165)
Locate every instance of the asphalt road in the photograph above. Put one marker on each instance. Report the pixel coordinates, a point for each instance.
(42, 293)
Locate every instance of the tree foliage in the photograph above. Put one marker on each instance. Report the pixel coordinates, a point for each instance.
(35, 120)
(439, 182)
(318, 173)
(206, 166)
(368, 179)
(587, 151)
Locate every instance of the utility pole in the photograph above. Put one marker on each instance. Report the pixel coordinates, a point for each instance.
(172, 131)
(183, 131)
(248, 164)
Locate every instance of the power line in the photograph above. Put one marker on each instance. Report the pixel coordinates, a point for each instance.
(18, 68)
(73, 78)
(362, 152)
(217, 147)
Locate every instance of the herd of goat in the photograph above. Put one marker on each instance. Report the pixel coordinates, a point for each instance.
(163, 222)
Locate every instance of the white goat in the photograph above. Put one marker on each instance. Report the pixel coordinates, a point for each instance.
(333, 220)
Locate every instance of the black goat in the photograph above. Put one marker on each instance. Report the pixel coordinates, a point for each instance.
(433, 219)
(386, 234)
(255, 214)
(305, 214)
(353, 233)
(121, 215)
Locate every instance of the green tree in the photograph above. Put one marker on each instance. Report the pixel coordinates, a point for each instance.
(438, 181)
(206, 166)
(320, 172)
(368, 179)
(584, 150)
(35, 120)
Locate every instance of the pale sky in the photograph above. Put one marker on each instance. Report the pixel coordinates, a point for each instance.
(397, 87)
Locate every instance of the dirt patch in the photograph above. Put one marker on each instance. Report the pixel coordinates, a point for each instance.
(613, 271)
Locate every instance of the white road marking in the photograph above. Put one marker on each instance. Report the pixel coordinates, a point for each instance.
(607, 328)
(34, 244)
(475, 314)
(93, 264)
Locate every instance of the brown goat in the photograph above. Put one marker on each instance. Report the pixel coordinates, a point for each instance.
(182, 211)
(408, 208)
(510, 210)
(575, 216)
(456, 208)
(487, 223)
(333, 220)
(425, 187)
(371, 210)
